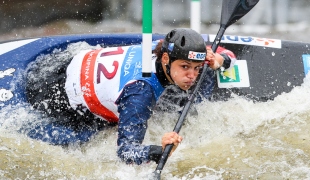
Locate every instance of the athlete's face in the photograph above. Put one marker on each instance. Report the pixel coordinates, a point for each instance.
(184, 73)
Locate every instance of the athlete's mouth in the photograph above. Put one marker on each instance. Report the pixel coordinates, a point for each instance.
(189, 83)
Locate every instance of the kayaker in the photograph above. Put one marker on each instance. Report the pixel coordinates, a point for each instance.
(102, 87)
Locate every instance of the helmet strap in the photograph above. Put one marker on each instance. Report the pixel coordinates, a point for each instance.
(167, 64)
(168, 70)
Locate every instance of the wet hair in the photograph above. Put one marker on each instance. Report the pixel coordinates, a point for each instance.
(158, 50)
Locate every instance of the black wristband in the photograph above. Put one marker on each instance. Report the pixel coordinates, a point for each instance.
(155, 153)
(227, 61)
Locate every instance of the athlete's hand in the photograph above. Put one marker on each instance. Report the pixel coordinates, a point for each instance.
(214, 60)
(171, 138)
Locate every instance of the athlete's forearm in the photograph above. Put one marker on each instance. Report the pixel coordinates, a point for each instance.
(134, 107)
(133, 153)
(229, 58)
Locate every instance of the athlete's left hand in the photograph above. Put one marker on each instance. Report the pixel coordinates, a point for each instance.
(171, 138)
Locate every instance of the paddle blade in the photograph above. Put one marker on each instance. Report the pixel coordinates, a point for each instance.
(233, 10)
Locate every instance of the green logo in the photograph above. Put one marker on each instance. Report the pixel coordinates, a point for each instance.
(231, 75)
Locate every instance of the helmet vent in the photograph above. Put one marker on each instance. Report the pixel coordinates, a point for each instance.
(171, 34)
(183, 41)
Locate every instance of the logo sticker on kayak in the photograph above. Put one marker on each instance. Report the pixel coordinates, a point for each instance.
(238, 76)
(231, 75)
(249, 40)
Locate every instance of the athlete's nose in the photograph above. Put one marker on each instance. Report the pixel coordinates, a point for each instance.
(191, 73)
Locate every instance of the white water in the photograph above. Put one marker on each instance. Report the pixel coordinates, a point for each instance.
(237, 139)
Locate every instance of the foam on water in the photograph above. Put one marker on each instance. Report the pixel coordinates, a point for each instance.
(235, 139)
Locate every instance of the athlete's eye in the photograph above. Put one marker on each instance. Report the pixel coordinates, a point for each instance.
(184, 66)
(198, 68)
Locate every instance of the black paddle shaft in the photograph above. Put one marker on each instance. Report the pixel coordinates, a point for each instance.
(232, 10)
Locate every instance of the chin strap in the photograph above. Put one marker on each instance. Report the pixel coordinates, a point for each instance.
(168, 71)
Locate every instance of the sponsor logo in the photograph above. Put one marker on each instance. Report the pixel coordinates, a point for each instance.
(254, 41)
(196, 55)
(129, 61)
(237, 76)
(231, 75)
(306, 61)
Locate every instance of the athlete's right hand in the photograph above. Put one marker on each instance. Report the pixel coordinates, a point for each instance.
(171, 138)
(214, 60)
